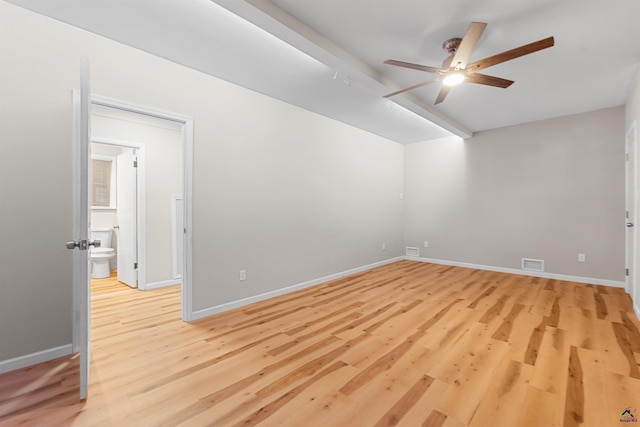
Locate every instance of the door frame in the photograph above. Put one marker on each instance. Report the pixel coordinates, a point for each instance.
(174, 236)
(141, 234)
(187, 138)
(631, 205)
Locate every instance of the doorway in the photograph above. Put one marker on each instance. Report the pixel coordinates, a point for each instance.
(117, 189)
(164, 141)
(83, 103)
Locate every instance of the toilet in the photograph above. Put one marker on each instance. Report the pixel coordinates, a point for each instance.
(100, 256)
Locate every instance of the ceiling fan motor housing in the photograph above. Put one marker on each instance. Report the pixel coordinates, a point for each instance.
(451, 46)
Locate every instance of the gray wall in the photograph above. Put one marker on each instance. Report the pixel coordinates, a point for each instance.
(632, 110)
(314, 198)
(545, 190)
(285, 194)
(35, 175)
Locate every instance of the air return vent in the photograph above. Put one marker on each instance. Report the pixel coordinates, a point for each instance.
(409, 251)
(532, 264)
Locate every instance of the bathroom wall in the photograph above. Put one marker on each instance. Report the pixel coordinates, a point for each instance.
(164, 178)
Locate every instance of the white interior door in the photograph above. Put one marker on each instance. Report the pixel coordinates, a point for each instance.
(81, 223)
(126, 211)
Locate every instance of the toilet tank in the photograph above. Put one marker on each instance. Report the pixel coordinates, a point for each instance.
(102, 234)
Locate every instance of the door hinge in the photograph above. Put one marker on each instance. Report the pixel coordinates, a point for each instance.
(626, 272)
(626, 156)
(135, 265)
(135, 163)
(627, 214)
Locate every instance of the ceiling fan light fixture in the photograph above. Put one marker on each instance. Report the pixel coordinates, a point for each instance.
(456, 67)
(453, 79)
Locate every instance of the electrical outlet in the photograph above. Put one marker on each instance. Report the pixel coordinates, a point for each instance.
(581, 258)
(384, 246)
(426, 244)
(243, 275)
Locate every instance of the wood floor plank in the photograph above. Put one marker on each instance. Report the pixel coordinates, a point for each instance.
(574, 403)
(625, 347)
(319, 405)
(406, 344)
(540, 408)
(576, 321)
(621, 392)
(504, 395)
(384, 389)
(599, 408)
(476, 363)
(384, 363)
(552, 363)
(265, 411)
(632, 331)
(424, 412)
(310, 368)
(453, 325)
(402, 406)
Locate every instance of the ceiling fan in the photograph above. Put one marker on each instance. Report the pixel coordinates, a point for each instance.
(456, 69)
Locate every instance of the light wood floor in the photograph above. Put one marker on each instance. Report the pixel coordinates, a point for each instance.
(101, 288)
(407, 344)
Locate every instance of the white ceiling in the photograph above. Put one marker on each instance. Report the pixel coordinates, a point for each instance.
(341, 73)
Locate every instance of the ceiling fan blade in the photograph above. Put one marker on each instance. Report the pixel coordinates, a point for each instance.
(419, 67)
(411, 88)
(484, 79)
(467, 44)
(447, 62)
(444, 91)
(511, 54)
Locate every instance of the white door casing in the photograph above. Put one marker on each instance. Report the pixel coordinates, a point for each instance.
(126, 212)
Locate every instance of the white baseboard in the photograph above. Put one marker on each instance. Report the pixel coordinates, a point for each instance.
(578, 279)
(199, 314)
(34, 358)
(636, 310)
(162, 284)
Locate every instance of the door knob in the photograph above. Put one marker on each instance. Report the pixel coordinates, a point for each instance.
(629, 224)
(82, 244)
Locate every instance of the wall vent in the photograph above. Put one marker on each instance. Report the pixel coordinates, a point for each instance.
(532, 264)
(409, 251)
